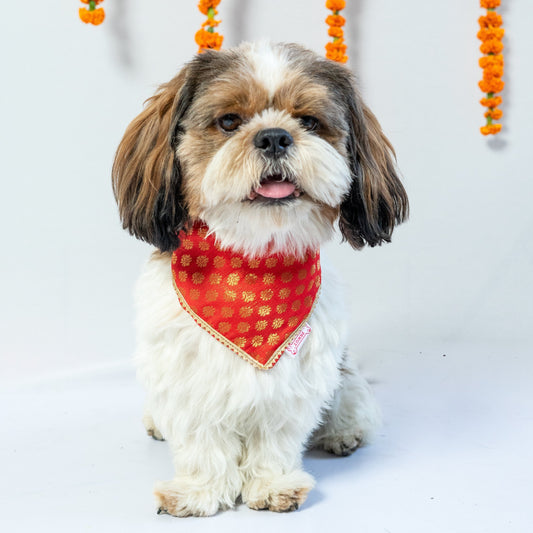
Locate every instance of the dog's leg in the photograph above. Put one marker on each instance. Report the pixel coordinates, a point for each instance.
(207, 475)
(272, 470)
(353, 417)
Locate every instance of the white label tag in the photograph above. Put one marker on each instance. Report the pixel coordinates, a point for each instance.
(294, 347)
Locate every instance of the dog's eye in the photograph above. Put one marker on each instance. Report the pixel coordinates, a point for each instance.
(309, 123)
(229, 122)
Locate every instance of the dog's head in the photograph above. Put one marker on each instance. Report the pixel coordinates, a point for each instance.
(268, 145)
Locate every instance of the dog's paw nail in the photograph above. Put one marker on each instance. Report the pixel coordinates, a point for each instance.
(162, 510)
(154, 434)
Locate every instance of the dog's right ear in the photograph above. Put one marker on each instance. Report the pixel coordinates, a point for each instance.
(146, 171)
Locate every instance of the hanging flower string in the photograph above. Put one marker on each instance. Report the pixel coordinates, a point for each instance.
(491, 35)
(206, 37)
(92, 14)
(336, 49)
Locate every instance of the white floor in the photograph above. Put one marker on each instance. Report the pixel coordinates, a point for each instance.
(454, 456)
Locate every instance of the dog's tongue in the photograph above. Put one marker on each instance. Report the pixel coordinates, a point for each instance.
(275, 189)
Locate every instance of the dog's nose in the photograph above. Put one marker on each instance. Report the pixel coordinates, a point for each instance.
(273, 141)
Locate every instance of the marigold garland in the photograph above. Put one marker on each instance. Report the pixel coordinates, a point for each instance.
(336, 49)
(206, 37)
(92, 14)
(491, 34)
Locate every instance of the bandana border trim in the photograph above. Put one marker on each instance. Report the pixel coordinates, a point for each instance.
(233, 347)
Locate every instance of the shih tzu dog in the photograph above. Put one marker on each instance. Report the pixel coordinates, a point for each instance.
(238, 169)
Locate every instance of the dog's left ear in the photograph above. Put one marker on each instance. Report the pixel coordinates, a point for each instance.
(377, 200)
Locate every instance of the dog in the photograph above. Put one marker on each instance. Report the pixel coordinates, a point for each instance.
(237, 170)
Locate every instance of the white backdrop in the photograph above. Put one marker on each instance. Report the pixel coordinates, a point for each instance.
(459, 270)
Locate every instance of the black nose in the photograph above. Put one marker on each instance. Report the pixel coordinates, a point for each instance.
(273, 141)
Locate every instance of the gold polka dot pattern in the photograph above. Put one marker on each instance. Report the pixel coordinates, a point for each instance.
(231, 296)
(246, 311)
(226, 312)
(260, 325)
(236, 262)
(219, 262)
(197, 278)
(215, 278)
(254, 306)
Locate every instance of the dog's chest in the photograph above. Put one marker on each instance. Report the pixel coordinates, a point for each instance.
(185, 367)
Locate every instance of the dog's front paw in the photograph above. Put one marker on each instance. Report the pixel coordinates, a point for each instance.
(182, 497)
(342, 445)
(282, 494)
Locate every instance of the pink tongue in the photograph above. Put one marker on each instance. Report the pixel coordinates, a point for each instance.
(276, 189)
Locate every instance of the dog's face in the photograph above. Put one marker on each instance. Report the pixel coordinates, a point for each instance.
(267, 144)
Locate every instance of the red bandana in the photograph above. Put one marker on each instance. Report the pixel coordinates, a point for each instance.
(255, 307)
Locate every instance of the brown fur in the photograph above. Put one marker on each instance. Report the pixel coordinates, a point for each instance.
(144, 162)
(377, 200)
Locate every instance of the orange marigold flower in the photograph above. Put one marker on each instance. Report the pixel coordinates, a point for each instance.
(492, 46)
(85, 15)
(336, 46)
(490, 19)
(335, 20)
(211, 23)
(207, 40)
(490, 129)
(337, 56)
(495, 114)
(491, 102)
(335, 31)
(491, 61)
(335, 5)
(94, 17)
(336, 51)
(491, 72)
(494, 85)
(205, 5)
(489, 4)
(484, 34)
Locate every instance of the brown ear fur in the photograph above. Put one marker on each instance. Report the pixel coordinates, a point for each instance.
(146, 173)
(377, 200)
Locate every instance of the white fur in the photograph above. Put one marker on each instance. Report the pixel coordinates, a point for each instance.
(275, 229)
(233, 429)
(269, 64)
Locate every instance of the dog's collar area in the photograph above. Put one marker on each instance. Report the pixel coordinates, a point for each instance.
(256, 307)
